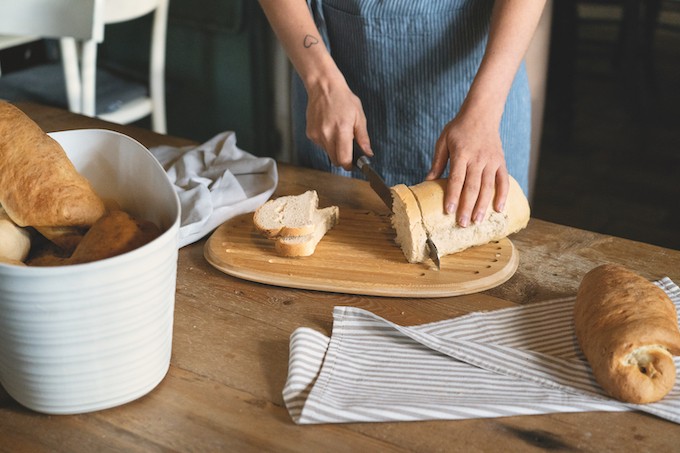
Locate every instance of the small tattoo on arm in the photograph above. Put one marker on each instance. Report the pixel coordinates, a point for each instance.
(310, 41)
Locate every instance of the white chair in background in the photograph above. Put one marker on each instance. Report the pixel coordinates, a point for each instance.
(123, 10)
(79, 26)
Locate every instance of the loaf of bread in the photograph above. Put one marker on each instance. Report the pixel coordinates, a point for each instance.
(39, 186)
(115, 233)
(419, 209)
(15, 242)
(627, 328)
(296, 222)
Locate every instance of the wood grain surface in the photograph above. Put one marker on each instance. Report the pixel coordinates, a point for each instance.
(231, 338)
(358, 256)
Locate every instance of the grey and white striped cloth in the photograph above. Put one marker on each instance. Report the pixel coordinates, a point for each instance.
(516, 361)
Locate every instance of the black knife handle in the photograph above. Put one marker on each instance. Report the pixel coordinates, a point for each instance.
(359, 158)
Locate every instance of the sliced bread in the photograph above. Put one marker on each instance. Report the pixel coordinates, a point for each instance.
(290, 215)
(324, 220)
(296, 222)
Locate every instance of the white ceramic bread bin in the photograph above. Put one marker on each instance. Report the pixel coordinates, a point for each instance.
(86, 337)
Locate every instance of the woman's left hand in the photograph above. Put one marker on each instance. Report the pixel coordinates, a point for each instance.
(471, 142)
(477, 171)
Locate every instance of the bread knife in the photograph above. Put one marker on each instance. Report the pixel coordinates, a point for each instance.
(379, 186)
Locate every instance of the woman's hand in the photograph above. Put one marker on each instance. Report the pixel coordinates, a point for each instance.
(335, 119)
(477, 172)
(471, 142)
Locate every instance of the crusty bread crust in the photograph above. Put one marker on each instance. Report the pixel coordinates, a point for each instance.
(113, 234)
(428, 198)
(627, 328)
(39, 186)
(325, 219)
(296, 222)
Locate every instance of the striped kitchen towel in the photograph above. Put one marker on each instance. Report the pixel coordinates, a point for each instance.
(516, 361)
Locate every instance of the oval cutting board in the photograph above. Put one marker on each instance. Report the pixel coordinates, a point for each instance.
(358, 256)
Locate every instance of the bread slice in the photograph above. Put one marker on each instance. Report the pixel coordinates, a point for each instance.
(290, 215)
(296, 222)
(324, 220)
(420, 209)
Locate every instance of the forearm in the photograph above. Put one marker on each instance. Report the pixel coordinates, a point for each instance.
(294, 26)
(513, 23)
(335, 116)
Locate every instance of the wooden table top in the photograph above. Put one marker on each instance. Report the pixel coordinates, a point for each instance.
(230, 351)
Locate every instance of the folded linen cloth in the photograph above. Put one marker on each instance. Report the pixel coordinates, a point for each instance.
(215, 181)
(516, 361)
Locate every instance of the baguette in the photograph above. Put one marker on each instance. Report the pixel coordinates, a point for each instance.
(419, 209)
(39, 186)
(627, 328)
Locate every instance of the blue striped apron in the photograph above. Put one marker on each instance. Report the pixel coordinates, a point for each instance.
(411, 63)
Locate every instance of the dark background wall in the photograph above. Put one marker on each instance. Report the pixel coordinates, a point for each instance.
(610, 154)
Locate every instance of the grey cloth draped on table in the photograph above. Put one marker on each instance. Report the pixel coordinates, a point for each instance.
(411, 64)
(215, 181)
(522, 360)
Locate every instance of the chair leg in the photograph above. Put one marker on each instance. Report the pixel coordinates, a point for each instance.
(88, 77)
(157, 68)
(69, 61)
(158, 104)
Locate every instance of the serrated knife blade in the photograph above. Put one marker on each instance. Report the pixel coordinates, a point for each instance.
(375, 180)
(379, 186)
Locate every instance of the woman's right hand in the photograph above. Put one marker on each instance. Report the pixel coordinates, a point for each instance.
(335, 119)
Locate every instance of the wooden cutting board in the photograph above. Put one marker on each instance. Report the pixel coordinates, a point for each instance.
(358, 256)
